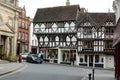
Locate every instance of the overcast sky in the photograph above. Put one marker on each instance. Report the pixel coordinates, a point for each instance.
(90, 5)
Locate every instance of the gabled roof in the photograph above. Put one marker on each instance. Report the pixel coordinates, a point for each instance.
(61, 13)
(96, 18)
(85, 17)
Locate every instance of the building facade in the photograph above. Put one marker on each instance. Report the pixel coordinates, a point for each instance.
(94, 36)
(116, 39)
(23, 32)
(65, 33)
(33, 40)
(116, 44)
(8, 26)
(56, 32)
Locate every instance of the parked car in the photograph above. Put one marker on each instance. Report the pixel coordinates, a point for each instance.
(33, 58)
(24, 55)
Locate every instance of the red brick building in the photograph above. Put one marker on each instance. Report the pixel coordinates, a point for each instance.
(23, 32)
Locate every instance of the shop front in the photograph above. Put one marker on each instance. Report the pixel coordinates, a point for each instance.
(60, 56)
(52, 55)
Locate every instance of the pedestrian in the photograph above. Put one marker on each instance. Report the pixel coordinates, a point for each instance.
(73, 61)
(20, 58)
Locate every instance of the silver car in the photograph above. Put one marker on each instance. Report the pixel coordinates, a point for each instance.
(24, 55)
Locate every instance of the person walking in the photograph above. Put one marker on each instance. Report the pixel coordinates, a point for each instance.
(72, 61)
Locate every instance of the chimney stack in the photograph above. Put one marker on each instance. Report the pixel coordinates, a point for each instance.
(68, 3)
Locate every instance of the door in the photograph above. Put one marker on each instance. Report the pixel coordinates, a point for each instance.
(90, 60)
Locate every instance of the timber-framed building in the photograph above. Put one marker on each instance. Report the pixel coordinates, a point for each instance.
(67, 32)
(95, 34)
(56, 32)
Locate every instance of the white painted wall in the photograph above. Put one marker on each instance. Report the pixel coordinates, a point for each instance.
(32, 37)
(109, 61)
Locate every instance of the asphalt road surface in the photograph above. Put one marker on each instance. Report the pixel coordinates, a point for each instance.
(47, 72)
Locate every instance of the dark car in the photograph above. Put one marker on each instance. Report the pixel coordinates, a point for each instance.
(33, 58)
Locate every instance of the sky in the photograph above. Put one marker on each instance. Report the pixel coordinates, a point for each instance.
(91, 5)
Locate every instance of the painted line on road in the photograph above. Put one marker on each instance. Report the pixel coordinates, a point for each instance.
(13, 72)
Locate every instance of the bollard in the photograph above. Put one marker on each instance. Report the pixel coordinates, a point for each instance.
(93, 74)
(89, 75)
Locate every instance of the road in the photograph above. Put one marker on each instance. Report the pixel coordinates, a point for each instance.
(47, 72)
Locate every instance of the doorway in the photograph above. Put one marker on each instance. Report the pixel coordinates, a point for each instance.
(90, 60)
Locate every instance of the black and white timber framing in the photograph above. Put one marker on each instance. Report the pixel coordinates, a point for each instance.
(64, 33)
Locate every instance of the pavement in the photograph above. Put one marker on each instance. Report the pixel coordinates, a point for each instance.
(108, 75)
(7, 67)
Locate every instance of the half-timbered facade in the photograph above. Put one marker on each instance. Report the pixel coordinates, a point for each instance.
(56, 32)
(95, 34)
(65, 32)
